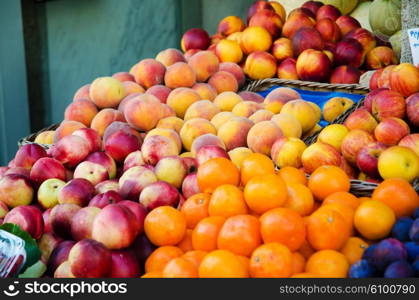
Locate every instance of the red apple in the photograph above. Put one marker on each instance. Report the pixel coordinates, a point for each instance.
(138, 210)
(106, 186)
(105, 160)
(345, 74)
(133, 159)
(124, 264)
(411, 141)
(60, 219)
(383, 80)
(28, 154)
(190, 186)
(46, 168)
(412, 109)
(90, 259)
(328, 11)
(78, 191)
(70, 150)
(191, 164)
(48, 192)
(120, 144)
(93, 172)
(361, 119)
(387, 104)
(156, 147)
(59, 255)
(319, 154)
(195, 38)
(371, 95)
(374, 79)
(159, 193)
(15, 190)
(367, 158)
(134, 180)
(45, 217)
(353, 142)
(29, 218)
(349, 52)
(91, 136)
(82, 223)
(115, 227)
(391, 130)
(102, 200)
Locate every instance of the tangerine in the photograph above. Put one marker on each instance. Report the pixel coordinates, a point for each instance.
(216, 172)
(226, 201)
(343, 198)
(292, 175)
(195, 257)
(195, 208)
(326, 180)
(180, 268)
(160, 257)
(298, 263)
(205, 234)
(328, 263)
(272, 260)
(222, 264)
(256, 164)
(186, 243)
(353, 249)
(300, 199)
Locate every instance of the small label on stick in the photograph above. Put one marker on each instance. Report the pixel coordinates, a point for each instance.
(414, 44)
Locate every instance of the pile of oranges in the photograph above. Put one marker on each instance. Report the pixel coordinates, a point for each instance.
(254, 221)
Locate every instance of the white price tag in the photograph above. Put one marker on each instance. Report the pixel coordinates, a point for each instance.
(414, 44)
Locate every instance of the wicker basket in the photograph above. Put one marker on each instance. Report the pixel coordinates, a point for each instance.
(30, 139)
(359, 188)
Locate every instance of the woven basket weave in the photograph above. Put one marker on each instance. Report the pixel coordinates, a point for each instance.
(30, 139)
(359, 188)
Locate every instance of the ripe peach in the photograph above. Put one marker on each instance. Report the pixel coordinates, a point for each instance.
(174, 123)
(276, 99)
(46, 168)
(262, 136)
(194, 128)
(170, 56)
(353, 142)
(347, 24)
(246, 108)
(226, 101)
(169, 133)
(123, 76)
(134, 180)
(70, 150)
(269, 20)
(28, 218)
(289, 125)
(104, 118)
(195, 38)
(159, 91)
(364, 37)
(45, 137)
(229, 51)
(67, 128)
(204, 64)
(82, 93)
(287, 69)
(251, 96)
(388, 103)
(319, 154)
(172, 170)
(234, 132)
(261, 115)
(296, 21)
(313, 65)
(335, 106)
(380, 57)
(180, 75)
(201, 109)
(328, 30)
(345, 74)
(260, 65)
(205, 91)
(28, 154)
(254, 39)
(404, 78)
(82, 111)
(132, 88)
(349, 52)
(361, 119)
(91, 171)
(282, 49)
(143, 112)
(180, 99)
(205, 140)
(105, 160)
(219, 119)
(328, 11)
(149, 72)
(223, 81)
(287, 151)
(391, 130)
(230, 25)
(306, 38)
(303, 112)
(106, 92)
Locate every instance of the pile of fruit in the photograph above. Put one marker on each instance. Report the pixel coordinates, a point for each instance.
(168, 171)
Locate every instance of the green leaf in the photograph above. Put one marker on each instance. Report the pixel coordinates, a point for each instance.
(34, 271)
(33, 254)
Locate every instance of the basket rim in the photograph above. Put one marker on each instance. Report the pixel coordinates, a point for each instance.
(30, 139)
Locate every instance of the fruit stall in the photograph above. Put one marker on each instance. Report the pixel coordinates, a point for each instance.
(281, 142)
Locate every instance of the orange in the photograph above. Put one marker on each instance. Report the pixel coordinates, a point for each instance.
(305, 275)
(353, 249)
(186, 243)
(195, 257)
(306, 250)
(245, 261)
(180, 268)
(216, 172)
(327, 229)
(363, 199)
(256, 164)
(263, 193)
(374, 219)
(222, 264)
(165, 226)
(226, 201)
(195, 208)
(205, 234)
(152, 275)
(399, 195)
(160, 257)
(326, 180)
(343, 198)
(300, 199)
(272, 260)
(328, 263)
(285, 226)
(298, 263)
(292, 175)
(240, 235)
(346, 212)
